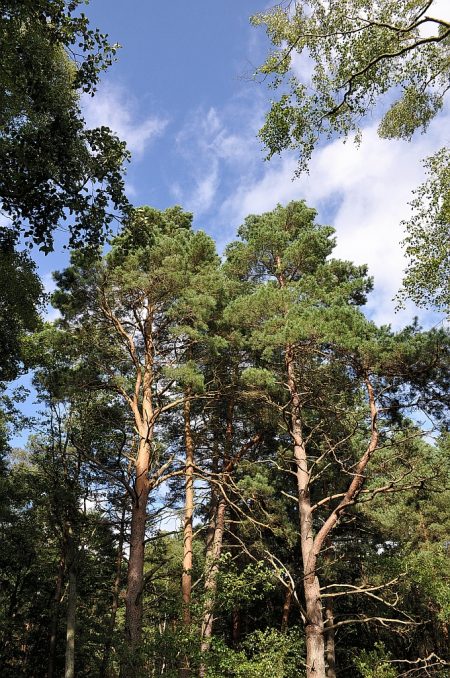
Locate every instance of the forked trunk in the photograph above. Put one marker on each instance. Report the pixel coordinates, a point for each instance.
(315, 647)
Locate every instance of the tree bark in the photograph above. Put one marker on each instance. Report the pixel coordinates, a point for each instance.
(186, 578)
(315, 648)
(215, 536)
(135, 574)
(54, 618)
(188, 513)
(115, 597)
(71, 616)
(330, 656)
(214, 550)
(286, 609)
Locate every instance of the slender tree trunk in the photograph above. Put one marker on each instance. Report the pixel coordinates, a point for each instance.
(215, 538)
(186, 578)
(211, 571)
(330, 656)
(315, 648)
(71, 615)
(188, 513)
(236, 626)
(54, 618)
(135, 575)
(115, 597)
(286, 609)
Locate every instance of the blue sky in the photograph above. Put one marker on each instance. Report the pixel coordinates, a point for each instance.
(182, 97)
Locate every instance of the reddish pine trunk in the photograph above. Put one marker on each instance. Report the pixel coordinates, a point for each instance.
(286, 609)
(188, 513)
(315, 648)
(186, 579)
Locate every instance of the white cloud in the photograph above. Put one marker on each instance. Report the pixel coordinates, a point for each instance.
(302, 65)
(440, 9)
(113, 107)
(362, 191)
(366, 189)
(213, 144)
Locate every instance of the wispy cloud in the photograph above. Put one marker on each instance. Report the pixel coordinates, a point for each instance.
(113, 107)
(214, 146)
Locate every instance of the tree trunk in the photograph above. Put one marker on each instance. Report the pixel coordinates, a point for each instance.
(71, 619)
(236, 626)
(330, 657)
(186, 578)
(214, 549)
(54, 618)
(214, 538)
(188, 513)
(115, 598)
(286, 609)
(315, 648)
(135, 575)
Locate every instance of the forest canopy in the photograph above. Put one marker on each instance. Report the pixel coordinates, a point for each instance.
(233, 470)
(252, 398)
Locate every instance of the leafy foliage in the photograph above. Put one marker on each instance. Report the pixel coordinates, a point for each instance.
(336, 63)
(52, 166)
(357, 52)
(428, 241)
